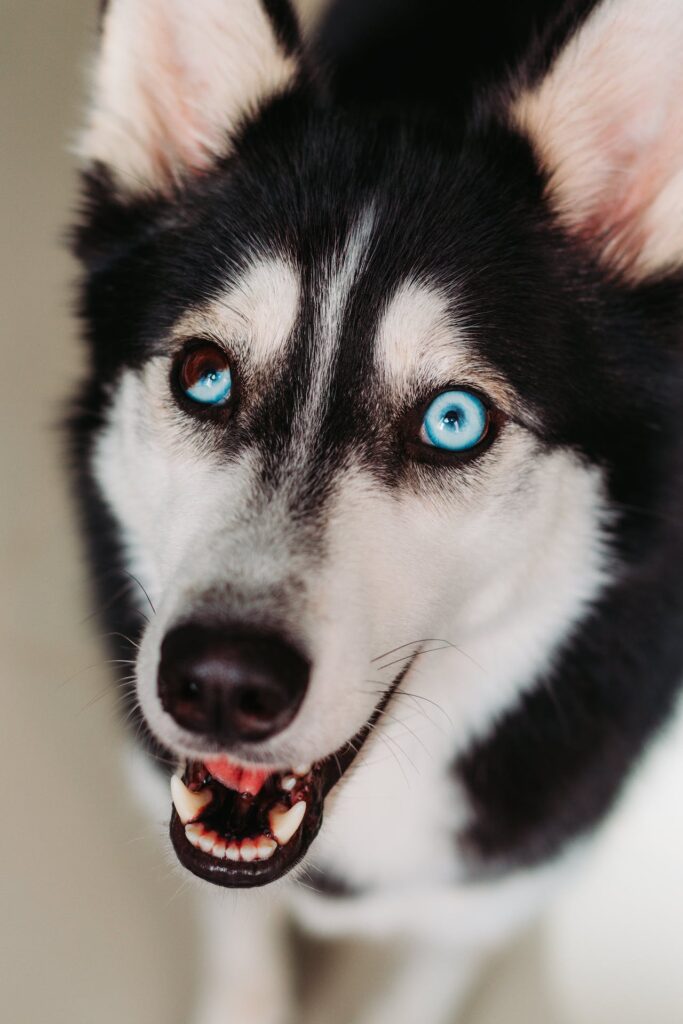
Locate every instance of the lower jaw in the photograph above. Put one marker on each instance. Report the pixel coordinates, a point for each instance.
(244, 875)
(323, 776)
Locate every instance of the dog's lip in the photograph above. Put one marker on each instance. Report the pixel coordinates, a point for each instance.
(323, 776)
(255, 873)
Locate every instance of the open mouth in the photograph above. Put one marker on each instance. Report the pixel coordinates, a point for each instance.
(239, 827)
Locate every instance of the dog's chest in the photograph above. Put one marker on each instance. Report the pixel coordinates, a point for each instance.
(396, 817)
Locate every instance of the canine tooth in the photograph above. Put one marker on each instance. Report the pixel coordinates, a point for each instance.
(232, 851)
(284, 821)
(247, 850)
(207, 840)
(189, 805)
(302, 769)
(194, 833)
(288, 782)
(265, 848)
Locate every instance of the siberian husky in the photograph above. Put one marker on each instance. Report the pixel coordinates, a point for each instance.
(380, 454)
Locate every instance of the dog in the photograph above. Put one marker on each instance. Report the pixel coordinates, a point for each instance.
(379, 456)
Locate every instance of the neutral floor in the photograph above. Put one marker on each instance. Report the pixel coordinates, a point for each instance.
(95, 924)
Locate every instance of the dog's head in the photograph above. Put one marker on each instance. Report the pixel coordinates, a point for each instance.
(367, 377)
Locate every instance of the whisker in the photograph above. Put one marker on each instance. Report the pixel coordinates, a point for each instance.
(94, 700)
(390, 739)
(122, 636)
(104, 663)
(432, 650)
(105, 607)
(404, 725)
(428, 700)
(136, 580)
(418, 709)
(412, 643)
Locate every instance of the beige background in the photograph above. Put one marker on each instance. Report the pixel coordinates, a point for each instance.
(95, 922)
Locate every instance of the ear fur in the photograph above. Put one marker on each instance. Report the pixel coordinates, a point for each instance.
(174, 78)
(607, 124)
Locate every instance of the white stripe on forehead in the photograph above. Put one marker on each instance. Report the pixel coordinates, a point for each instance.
(335, 281)
(256, 316)
(421, 344)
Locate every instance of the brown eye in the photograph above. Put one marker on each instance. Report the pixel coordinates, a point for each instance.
(205, 375)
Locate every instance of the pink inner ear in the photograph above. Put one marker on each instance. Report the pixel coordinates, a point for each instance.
(177, 107)
(616, 218)
(607, 124)
(636, 172)
(173, 81)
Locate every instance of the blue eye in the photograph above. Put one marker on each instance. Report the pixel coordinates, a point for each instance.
(455, 422)
(205, 375)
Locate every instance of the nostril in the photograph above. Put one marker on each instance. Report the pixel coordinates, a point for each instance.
(230, 686)
(255, 704)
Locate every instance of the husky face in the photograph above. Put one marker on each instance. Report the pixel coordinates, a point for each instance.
(303, 541)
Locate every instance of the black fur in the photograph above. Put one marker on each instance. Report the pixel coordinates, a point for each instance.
(598, 363)
(284, 23)
(404, 53)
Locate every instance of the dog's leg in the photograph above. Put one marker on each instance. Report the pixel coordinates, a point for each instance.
(246, 979)
(428, 983)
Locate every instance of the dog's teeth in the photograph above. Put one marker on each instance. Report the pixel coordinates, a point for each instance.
(206, 842)
(247, 850)
(265, 848)
(194, 833)
(284, 821)
(232, 851)
(302, 769)
(288, 782)
(189, 805)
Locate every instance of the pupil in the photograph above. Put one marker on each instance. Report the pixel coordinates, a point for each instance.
(452, 419)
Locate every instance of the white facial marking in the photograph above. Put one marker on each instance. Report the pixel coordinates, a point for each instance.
(419, 344)
(334, 287)
(255, 317)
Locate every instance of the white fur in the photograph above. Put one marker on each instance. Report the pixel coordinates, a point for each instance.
(607, 123)
(255, 318)
(444, 934)
(420, 346)
(172, 80)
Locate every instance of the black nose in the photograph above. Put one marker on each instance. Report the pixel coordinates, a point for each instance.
(230, 686)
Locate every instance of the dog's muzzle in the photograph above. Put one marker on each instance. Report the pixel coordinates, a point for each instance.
(238, 824)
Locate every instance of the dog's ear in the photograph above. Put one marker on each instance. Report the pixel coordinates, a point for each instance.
(174, 78)
(606, 122)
